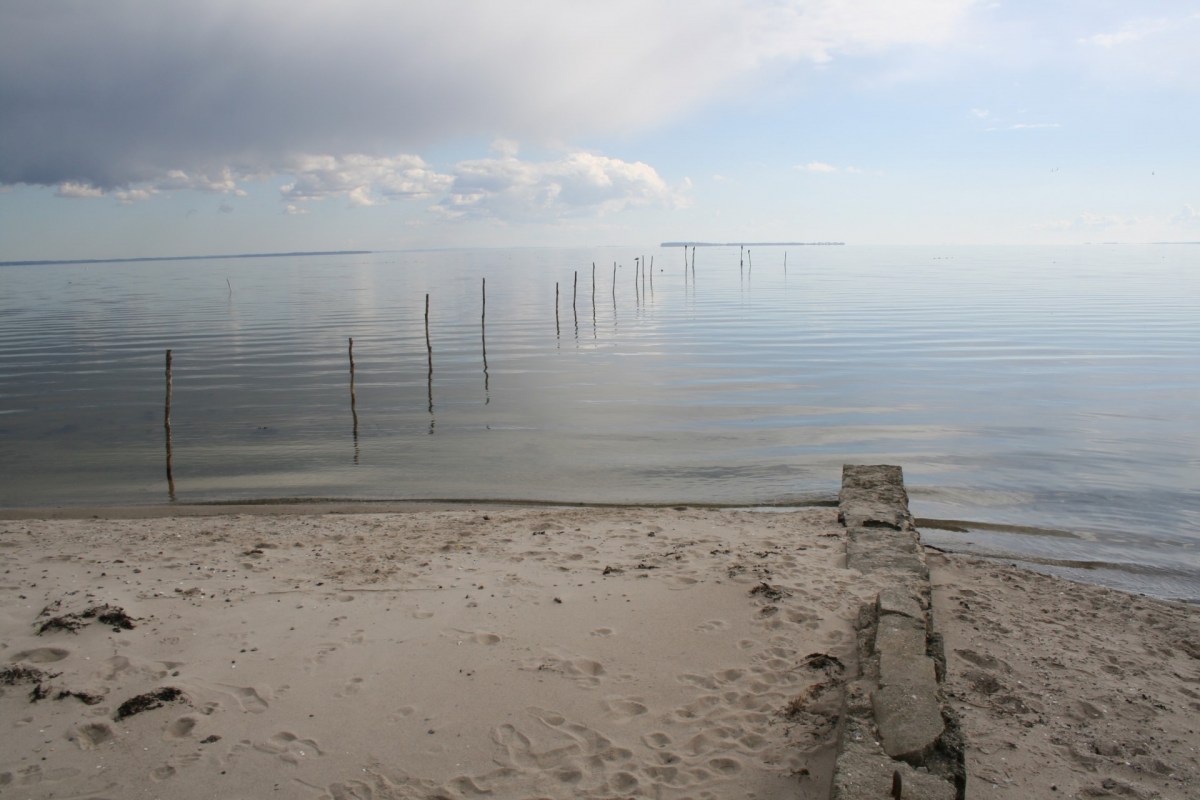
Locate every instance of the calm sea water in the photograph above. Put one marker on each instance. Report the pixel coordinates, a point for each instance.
(1052, 388)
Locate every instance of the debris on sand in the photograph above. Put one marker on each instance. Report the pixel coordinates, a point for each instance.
(770, 592)
(16, 675)
(148, 701)
(113, 616)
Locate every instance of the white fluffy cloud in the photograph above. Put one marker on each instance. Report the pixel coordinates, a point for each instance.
(823, 167)
(1189, 217)
(199, 93)
(362, 179)
(1091, 222)
(1127, 33)
(507, 188)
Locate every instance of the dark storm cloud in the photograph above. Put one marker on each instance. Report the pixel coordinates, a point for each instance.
(184, 93)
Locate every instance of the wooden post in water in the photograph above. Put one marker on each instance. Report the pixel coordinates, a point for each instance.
(785, 262)
(167, 431)
(429, 350)
(487, 397)
(353, 399)
(749, 262)
(651, 274)
(167, 404)
(574, 295)
(557, 329)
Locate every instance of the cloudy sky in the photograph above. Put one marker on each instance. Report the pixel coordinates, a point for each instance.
(143, 127)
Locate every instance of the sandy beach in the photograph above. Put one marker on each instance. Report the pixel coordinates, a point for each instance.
(542, 653)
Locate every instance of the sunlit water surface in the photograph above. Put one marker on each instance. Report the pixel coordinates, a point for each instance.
(1052, 388)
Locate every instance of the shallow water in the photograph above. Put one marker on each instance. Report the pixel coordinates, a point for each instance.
(1055, 388)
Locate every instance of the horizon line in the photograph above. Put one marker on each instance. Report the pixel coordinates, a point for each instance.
(294, 254)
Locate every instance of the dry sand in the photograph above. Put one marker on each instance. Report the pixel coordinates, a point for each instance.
(542, 653)
(517, 652)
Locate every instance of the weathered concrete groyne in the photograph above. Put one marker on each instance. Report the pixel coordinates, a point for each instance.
(899, 738)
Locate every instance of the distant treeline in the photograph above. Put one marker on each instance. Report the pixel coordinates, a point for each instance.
(186, 258)
(747, 244)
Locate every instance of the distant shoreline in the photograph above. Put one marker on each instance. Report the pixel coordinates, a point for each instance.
(297, 254)
(751, 244)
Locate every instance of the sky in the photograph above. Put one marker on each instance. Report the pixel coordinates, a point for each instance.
(137, 128)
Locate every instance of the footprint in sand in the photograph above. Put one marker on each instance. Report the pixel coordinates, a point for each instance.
(42, 655)
(657, 740)
(324, 649)
(712, 626)
(678, 582)
(623, 783)
(602, 632)
(180, 729)
(248, 699)
(34, 774)
(699, 681)
(585, 671)
(92, 734)
(725, 766)
(623, 709)
(289, 747)
(479, 637)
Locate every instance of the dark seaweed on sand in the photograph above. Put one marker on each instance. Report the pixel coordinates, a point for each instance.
(87, 698)
(770, 592)
(148, 701)
(12, 676)
(113, 616)
(824, 661)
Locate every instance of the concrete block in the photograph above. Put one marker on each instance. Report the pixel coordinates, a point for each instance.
(900, 637)
(873, 495)
(894, 600)
(907, 711)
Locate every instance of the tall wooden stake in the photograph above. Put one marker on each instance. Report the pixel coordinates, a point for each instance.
(487, 397)
(167, 430)
(429, 350)
(353, 399)
(557, 329)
